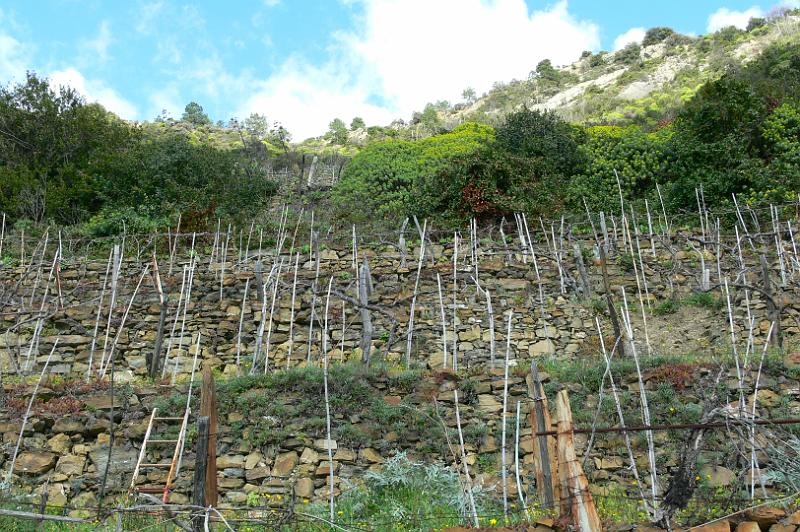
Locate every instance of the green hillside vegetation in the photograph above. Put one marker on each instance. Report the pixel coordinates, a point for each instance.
(642, 84)
(718, 111)
(737, 134)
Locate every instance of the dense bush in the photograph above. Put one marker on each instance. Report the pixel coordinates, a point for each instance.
(484, 184)
(50, 142)
(657, 35)
(64, 160)
(640, 160)
(384, 179)
(543, 136)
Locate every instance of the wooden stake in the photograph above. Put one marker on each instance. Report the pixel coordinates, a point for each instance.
(241, 323)
(291, 311)
(328, 442)
(516, 462)
(468, 484)
(504, 472)
(455, 301)
(97, 318)
(410, 333)
(544, 448)
(576, 499)
(208, 408)
(364, 289)
(200, 470)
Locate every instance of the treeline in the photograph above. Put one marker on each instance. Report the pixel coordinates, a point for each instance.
(739, 134)
(66, 161)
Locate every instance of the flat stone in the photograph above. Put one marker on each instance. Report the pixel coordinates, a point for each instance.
(67, 340)
(610, 463)
(252, 460)
(487, 404)
(71, 465)
(236, 497)
(103, 402)
(35, 462)
(230, 460)
(748, 526)
(324, 445)
(779, 527)
(304, 487)
(69, 425)
(542, 347)
(345, 455)
(717, 476)
(59, 444)
(309, 456)
(371, 455)
(120, 468)
(718, 526)
(765, 515)
(257, 473)
(512, 285)
(285, 464)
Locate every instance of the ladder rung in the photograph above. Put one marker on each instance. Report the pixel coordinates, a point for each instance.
(162, 441)
(168, 418)
(168, 464)
(150, 489)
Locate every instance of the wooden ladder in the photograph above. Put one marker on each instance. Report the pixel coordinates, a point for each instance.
(176, 456)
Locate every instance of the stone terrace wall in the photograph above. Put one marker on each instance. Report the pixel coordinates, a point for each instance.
(567, 328)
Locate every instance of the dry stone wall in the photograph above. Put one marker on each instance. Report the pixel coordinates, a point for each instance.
(563, 325)
(69, 448)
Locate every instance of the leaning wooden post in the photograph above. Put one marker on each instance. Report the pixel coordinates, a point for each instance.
(544, 448)
(200, 472)
(576, 501)
(208, 409)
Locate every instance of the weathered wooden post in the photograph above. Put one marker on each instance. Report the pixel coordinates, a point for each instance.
(577, 503)
(200, 472)
(544, 448)
(208, 409)
(364, 289)
(155, 358)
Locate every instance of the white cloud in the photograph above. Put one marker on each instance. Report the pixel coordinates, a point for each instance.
(724, 17)
(410, 52)
(98, 46)
(633, 35)
(12, 59)
(147, 17)
(94, 91)
(306, 98)
(14, 56)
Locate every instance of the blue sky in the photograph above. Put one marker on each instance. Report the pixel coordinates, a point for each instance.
(305, 62)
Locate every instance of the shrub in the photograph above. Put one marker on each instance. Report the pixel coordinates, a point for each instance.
(705, 300)
(670, 306)
(382, 179)
(421, 496)
(640, 160)
(657, 35)
(543, 136)
(629, 55)
(484, 184)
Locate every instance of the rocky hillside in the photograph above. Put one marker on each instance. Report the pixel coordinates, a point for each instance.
(639, 84)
